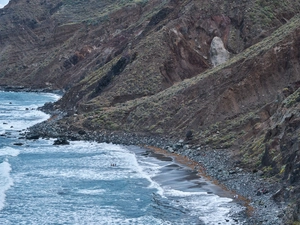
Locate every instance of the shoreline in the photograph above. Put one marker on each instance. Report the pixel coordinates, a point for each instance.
(8, 88)
(196, 166)
(211, 186)
(216, 165)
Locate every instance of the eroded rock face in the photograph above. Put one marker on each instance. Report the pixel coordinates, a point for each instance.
(218, 53)
(41, 42)
(136, 69)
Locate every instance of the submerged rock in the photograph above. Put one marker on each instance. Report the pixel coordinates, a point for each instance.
(18, 144)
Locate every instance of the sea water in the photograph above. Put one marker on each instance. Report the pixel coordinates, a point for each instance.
(95, 183)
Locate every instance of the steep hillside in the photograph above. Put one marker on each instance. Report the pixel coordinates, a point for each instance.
(56, 44)
(144, 67)
(233, 105)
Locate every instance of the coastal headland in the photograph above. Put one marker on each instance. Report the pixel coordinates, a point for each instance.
(215, 81)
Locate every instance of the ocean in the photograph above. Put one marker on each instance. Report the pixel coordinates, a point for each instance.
(96, 183)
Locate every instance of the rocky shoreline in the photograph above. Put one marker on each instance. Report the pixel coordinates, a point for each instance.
(218, 164)
(29, 89)
(255, 192)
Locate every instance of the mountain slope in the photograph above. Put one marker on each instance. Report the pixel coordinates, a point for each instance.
(144, 67)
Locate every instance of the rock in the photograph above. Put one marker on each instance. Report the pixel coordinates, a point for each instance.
(261, 203)
(32, 136)
(280, 215)
(239, 169)
(81, 132)
(178, 145)
(186, 147)
(232, 172)
(170, 149)
(260, 173)
(61, 141)
(18, 144)
(218, 53)
(189, 135)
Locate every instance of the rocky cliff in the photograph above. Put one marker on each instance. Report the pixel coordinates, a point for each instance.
(147, 67)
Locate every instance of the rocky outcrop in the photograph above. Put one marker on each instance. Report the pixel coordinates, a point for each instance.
(61, 141)
(57, 45)
(153, 68)
(218, 53)
(254, 112)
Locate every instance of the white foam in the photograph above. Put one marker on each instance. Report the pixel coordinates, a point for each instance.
(97, 215)
(17, 120)
(5, 181)
(150, 168)
(126, 163)
(113, 217)
(148, 171)
(85, 174)
(209, 208)
(8, 151)
(21, 112)
(91, 192)
(178, 193)
(77, 147)
(55, 97)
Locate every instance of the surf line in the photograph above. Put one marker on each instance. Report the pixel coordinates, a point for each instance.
(201, 172)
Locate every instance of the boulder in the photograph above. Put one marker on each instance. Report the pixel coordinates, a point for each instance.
(61, 141)
(218, 53)
(189, 135)
(81, 132)
(32, 136)
(170, 149)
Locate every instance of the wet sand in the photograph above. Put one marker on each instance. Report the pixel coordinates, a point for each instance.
(195, 173)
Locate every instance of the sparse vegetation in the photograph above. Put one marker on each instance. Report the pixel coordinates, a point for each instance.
(292, 99)
(146, 69)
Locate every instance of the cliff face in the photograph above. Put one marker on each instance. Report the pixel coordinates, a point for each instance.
(144, 66)
(58, 43)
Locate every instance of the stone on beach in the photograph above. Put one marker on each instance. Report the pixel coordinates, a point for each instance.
(61, 141)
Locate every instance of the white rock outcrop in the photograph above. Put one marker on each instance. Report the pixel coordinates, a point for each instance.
(218, 53)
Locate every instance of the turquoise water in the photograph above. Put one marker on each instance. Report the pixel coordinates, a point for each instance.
(76, 184)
